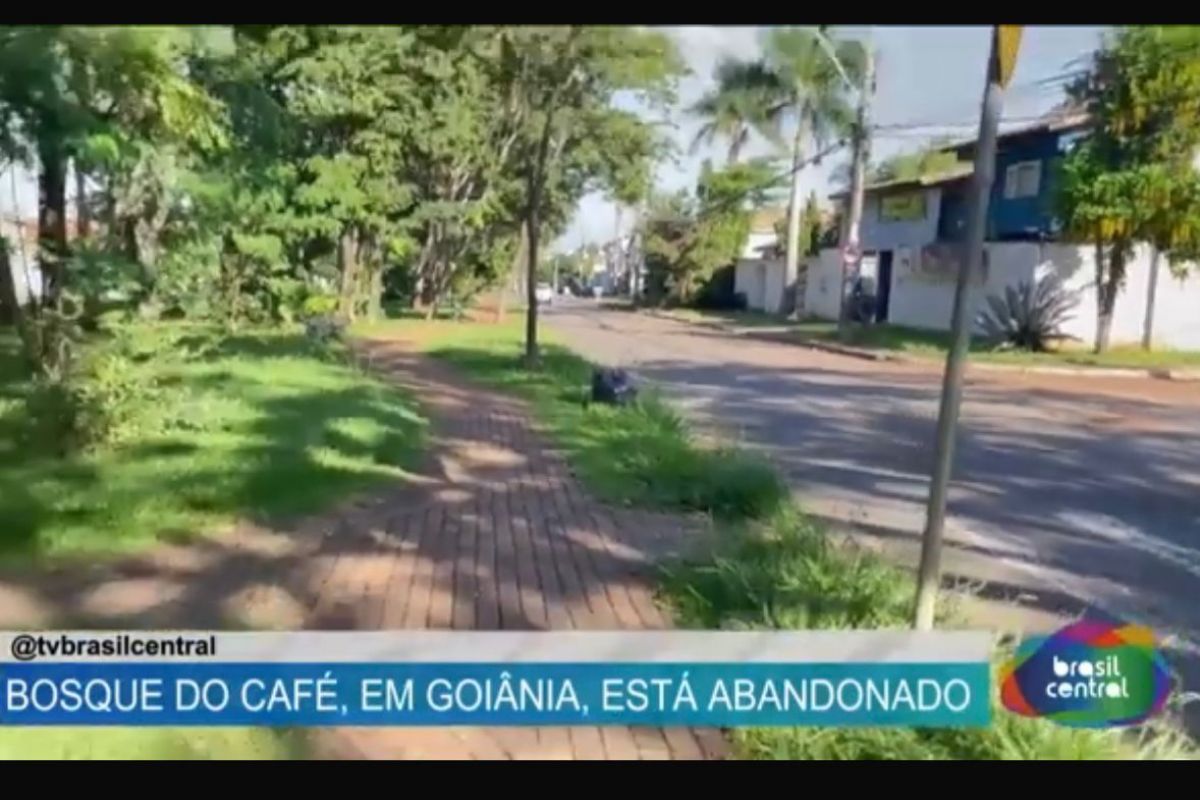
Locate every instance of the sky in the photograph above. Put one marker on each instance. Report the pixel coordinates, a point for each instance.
(923, 75)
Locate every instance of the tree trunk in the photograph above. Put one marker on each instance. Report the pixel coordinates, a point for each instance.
(1151, 291)
(348, 266)
(129, 239)
(10, 304)
(364, 284)
(533, 221)
(511, 280)
(791, 265)
(1106, 295)
(52, 223)
(375, 302)
(735, 147)
(83, 215)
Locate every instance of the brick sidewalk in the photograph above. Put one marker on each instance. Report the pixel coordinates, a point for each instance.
(495, 533)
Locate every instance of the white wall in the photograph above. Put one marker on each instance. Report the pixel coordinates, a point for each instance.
(923, 297)
(877, 234)
(1177, 300)
(22, 261)
(824, 274)
(774, 284)
(748, 280)
(762, 282)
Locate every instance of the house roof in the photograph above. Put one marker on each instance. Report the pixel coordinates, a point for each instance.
(1060, 118)
(959, 172)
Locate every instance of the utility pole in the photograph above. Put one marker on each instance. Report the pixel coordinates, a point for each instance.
(1005, 39)
(852, 249)
(1151, 291)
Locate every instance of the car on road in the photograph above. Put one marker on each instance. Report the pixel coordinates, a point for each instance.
(544, 294)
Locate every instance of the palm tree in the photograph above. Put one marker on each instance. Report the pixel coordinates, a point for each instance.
(813, 98)
(743, 101)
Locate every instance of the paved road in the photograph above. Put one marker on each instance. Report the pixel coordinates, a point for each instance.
(1069, 493)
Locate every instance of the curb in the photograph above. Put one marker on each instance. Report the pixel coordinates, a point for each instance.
(865, 354)
(1157, 373)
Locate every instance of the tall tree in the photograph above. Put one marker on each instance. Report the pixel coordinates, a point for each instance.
(1133, 179)
(813, 99)
(687, 238)
(565, 78)
(742, 102)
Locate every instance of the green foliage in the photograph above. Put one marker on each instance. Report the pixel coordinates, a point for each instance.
(810, 90)
(108, 397)
(1132, 179)
(238, 169)
(1029, 316)
(150, 744)
(785, 572)
(926, 162)
(1008, 738)
(319, 305)
(743, 101)
(260, 423)
(686, 240)
(639, 455)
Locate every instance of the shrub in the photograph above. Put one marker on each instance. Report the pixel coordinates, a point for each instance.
(651, 450)
(786, 573)
(107, 395)
(1008, 738)
(325, 329)
(319, 305)
(1028, 317)
(718, 292)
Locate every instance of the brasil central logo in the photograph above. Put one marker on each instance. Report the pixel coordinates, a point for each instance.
(1090, 674)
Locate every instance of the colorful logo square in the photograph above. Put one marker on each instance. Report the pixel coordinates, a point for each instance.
(1089, 674)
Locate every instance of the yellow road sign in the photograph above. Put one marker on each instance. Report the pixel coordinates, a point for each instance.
(1008, 41)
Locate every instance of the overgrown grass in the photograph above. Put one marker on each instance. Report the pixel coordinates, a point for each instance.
(784, 572)
(263, 424)
(642, 455)
(150, 744)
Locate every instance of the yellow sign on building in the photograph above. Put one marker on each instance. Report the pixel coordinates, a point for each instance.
(902, 206)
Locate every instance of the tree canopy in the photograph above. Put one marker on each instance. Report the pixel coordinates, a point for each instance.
(1133, 178)
(245, 172)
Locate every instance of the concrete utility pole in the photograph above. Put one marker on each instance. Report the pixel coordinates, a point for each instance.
(1151, 291)
(852, 248)
(1000, 64)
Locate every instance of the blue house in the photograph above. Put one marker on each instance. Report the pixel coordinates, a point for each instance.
(1021, 207)
(912, 232)
(921, 211)
(915, 224)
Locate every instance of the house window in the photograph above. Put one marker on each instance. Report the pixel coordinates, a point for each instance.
(1022, 179)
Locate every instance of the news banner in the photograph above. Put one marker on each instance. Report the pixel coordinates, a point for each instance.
(416, 678)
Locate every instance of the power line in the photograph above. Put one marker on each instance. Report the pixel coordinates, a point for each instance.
(706, 211)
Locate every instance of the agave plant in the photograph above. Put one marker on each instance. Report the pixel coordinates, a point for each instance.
(1029, 316)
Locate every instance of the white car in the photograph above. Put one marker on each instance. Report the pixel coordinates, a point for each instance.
(544, 294)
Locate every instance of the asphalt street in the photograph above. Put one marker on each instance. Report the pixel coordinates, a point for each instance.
(1068, 494)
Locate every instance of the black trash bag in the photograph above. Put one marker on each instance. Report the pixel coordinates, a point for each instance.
(612, 386)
